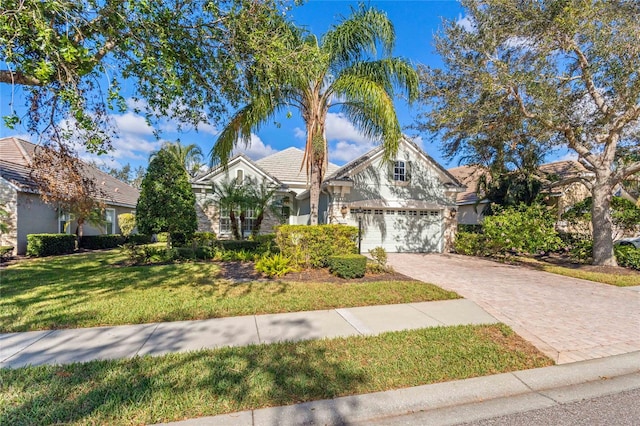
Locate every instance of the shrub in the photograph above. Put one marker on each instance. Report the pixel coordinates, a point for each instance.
(50, 244)
(311, 246)
(379, 255)
(578, 245)
(162, 237)
(627, 256)
(348, 266)
(186, 253)
(274, 265)
(236, 255)
(266, 243)
(96, 242)
(523, 229)
(139, 239)
(238, 245)
(469, 243)
(470, 228)
(127, 222)
(5, 252)
(204, 239)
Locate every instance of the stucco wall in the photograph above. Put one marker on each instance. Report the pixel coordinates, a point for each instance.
(34, 217)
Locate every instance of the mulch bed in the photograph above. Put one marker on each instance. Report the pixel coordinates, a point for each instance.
(240, 271)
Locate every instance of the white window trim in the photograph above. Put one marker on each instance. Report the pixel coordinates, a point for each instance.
(113, 224)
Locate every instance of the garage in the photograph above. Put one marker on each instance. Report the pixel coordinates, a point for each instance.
(402, 230)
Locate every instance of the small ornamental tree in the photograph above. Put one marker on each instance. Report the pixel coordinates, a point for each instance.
(167, 202)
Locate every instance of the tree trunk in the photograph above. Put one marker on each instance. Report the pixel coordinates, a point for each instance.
(234, 224)
(79, 232)
(314, 192)
(601, 222)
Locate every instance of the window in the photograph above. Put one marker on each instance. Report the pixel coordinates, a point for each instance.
(239, 176)
(400, 171)
(225, 221)
(378, 212)
(110, 221)
(390, 212)
(249, 220)
(64, 222)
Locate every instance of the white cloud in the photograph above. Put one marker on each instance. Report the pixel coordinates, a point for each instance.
(299, 133)
(256, 148)
(132, 123)
(339, 128)
(345, 151)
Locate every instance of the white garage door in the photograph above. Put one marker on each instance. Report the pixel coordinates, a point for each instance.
(417, 231)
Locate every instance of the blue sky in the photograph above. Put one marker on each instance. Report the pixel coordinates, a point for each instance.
(415, 21)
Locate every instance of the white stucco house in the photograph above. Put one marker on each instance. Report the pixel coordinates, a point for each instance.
(28, 214)
(407, 204)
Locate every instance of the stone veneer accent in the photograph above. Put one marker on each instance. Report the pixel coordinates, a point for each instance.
(9, 201)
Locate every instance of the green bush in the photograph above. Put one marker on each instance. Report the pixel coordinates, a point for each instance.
(469, 243)
(627, 256)
(127, 222)
(5, 252)
(97, 242)
(311, 246)
(50, 244)
(204, 239)
(469, 228)
(379, 256)
(238, 245)
(139, 239)
(236, 255)
(579, 246)
(274, 265)
(266, 243)
(162, 237)
(522, 229)
(189, 253)
(348, 266)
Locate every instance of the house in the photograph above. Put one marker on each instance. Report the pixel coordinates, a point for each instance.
(563, 187)
(30, 215)
(405, 205)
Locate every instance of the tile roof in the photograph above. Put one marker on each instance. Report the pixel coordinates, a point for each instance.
(16, 155)
(285, 166)
(563, 169)
(468, 176)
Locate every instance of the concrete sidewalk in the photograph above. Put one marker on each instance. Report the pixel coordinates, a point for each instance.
(454, 402)
(81, 345)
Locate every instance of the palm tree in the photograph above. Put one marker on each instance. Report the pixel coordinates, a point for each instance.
(260, 199)
(230, 196)
(190, 156)
(339, 71)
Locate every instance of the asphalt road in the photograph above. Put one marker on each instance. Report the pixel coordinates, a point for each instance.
(619, 409)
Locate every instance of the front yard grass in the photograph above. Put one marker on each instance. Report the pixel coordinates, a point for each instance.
(205, 383)
(630, 278)
(94, 289)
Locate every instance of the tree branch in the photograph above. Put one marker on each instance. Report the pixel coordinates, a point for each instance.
(588, 80)
(17, 77)
(626, 171)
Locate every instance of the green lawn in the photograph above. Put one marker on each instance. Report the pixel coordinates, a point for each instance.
(94, 289)
(620, 280)
(204, 383)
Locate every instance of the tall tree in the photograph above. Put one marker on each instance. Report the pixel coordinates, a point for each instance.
(190, 156)
(341, 71)
(66, 183)
(182, 58)
(167, 202)
(565, 71)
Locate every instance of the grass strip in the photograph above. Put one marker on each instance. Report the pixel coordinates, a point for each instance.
(93, 289)
(210, 382)
(619, 280)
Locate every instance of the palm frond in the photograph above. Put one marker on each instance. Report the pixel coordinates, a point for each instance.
(353, 38)
(390, 73)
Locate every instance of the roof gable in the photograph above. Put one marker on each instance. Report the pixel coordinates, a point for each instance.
(368, 158)
(239, 159)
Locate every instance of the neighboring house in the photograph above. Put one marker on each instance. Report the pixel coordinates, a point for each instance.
(407, 205)
(563, 187)
(30, 215)
(470, 207)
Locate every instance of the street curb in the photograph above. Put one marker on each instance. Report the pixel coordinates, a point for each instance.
(400, 402)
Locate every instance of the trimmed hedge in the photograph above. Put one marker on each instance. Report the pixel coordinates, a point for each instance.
(50, 244)
(310, 246)
(97, 242)
(204, 239)
(348, 266)
(139, 239)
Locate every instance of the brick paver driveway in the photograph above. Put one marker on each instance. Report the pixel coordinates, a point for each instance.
(567, 319)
